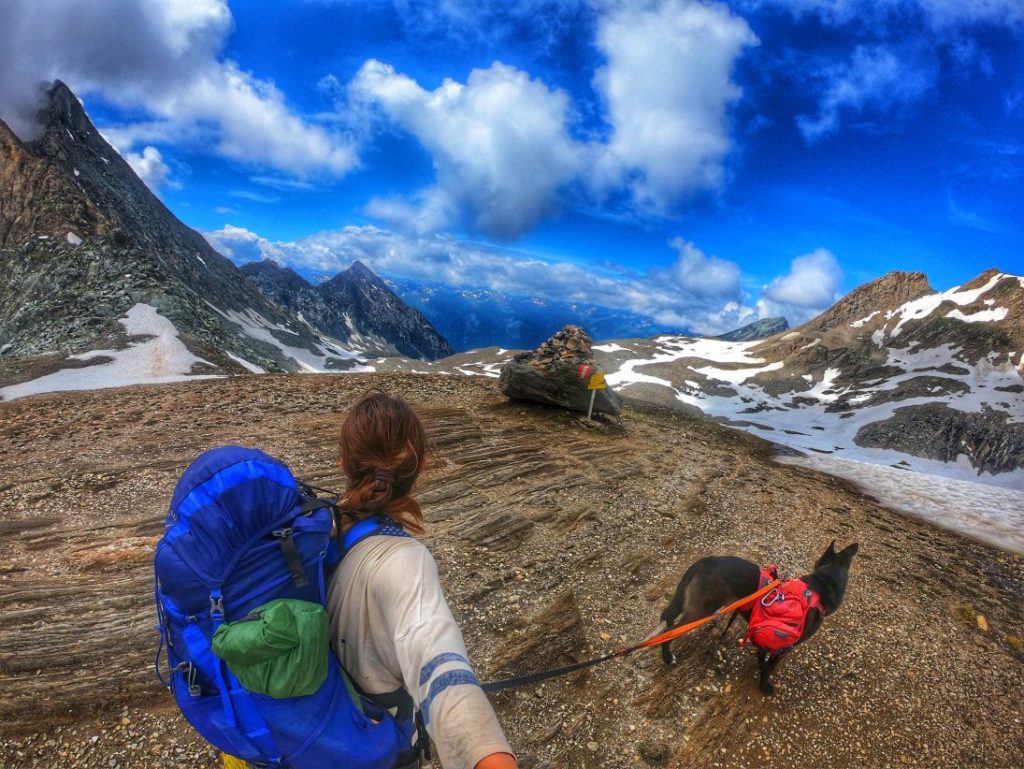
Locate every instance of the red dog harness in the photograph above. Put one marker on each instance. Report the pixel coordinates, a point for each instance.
(777, 620)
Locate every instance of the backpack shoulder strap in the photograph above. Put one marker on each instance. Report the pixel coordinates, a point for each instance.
(368, 527)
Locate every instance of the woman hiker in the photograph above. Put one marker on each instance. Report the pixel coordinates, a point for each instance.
(390, 624)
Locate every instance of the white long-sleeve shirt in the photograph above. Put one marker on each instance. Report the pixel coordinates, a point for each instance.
(392, 629)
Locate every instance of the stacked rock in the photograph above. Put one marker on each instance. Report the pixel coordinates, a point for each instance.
(571, 344)
(550, 375)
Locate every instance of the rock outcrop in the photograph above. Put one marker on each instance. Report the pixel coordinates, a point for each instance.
(991, 442)
(551, 375)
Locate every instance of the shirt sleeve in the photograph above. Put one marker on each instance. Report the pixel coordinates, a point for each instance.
(435, 665)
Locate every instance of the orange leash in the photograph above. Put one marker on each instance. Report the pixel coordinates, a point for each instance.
(675, 632)
(668, 635)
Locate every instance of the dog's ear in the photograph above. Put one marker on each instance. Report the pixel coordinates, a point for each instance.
(828, 555)
(848, 552)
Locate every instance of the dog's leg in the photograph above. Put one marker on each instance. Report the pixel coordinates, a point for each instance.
(716, 647)
(766, 664)
(666, 652)
(732, 618)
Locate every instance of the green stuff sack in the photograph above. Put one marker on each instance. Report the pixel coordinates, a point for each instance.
(280, 649)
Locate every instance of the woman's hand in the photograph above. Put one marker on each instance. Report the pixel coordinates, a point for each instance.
(498, 761)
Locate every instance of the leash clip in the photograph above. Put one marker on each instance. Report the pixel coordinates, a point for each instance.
(773, 596)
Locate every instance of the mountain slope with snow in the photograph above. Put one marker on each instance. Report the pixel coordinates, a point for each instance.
(355, 307)
(85, 243)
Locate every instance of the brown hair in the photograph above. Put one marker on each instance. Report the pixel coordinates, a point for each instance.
(382, 448)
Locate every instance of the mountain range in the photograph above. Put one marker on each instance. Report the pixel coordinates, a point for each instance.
(478, 317)
(97, 268)
(895, 374)
(102, 285)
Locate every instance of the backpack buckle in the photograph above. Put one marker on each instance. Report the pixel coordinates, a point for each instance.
(216, 604)
(190, 680)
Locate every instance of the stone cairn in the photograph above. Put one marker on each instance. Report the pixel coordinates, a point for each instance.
(571, 345)
(550, 375)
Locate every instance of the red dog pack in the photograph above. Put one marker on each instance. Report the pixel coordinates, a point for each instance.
(777, 620)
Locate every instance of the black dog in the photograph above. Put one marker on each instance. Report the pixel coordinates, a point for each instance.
(717, 581)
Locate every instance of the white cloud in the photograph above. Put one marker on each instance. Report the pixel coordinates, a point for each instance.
(811, 286)
(876, 76)
(428, 210)
(150, 167)
(443, 259)
(667, 87)
(499, 142)
(703, 275)
(165, 59)
(502, 142)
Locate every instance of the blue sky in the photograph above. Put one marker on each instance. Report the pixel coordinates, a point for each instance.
(705, 163)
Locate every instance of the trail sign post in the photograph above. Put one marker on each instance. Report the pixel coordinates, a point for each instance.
(596, 383)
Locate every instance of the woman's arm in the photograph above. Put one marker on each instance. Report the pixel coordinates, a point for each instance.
(435, 667)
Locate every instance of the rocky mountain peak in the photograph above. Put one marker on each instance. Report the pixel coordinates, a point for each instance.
(62, 109)
(880, 295)
(355, 307)
(759, 329)
(982, 279)
(360, 270)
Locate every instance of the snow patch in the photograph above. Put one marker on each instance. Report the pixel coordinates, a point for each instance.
(981, 316)
(159, 359)
(736, 376)
(926, 305)
(862, 321)
(824, 390)
(314, 361)
(991, 514)
(76, 172)
(246, 364)
(611, 347)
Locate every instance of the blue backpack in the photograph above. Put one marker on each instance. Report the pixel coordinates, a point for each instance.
(241, 531)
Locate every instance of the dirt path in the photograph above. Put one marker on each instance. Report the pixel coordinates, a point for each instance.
(555, 542)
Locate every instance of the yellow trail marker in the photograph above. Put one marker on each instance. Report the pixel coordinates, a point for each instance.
(596, 383)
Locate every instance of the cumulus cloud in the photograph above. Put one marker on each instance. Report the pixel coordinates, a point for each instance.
(443, 259)
(426, 211)
(667, 86)
(150, 167)
(702, 275)
(876, 76)
(499, 141)
(503, 143)
(169, 66)
(812, 285)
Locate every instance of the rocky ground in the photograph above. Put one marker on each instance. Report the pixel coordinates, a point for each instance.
(556, 540)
